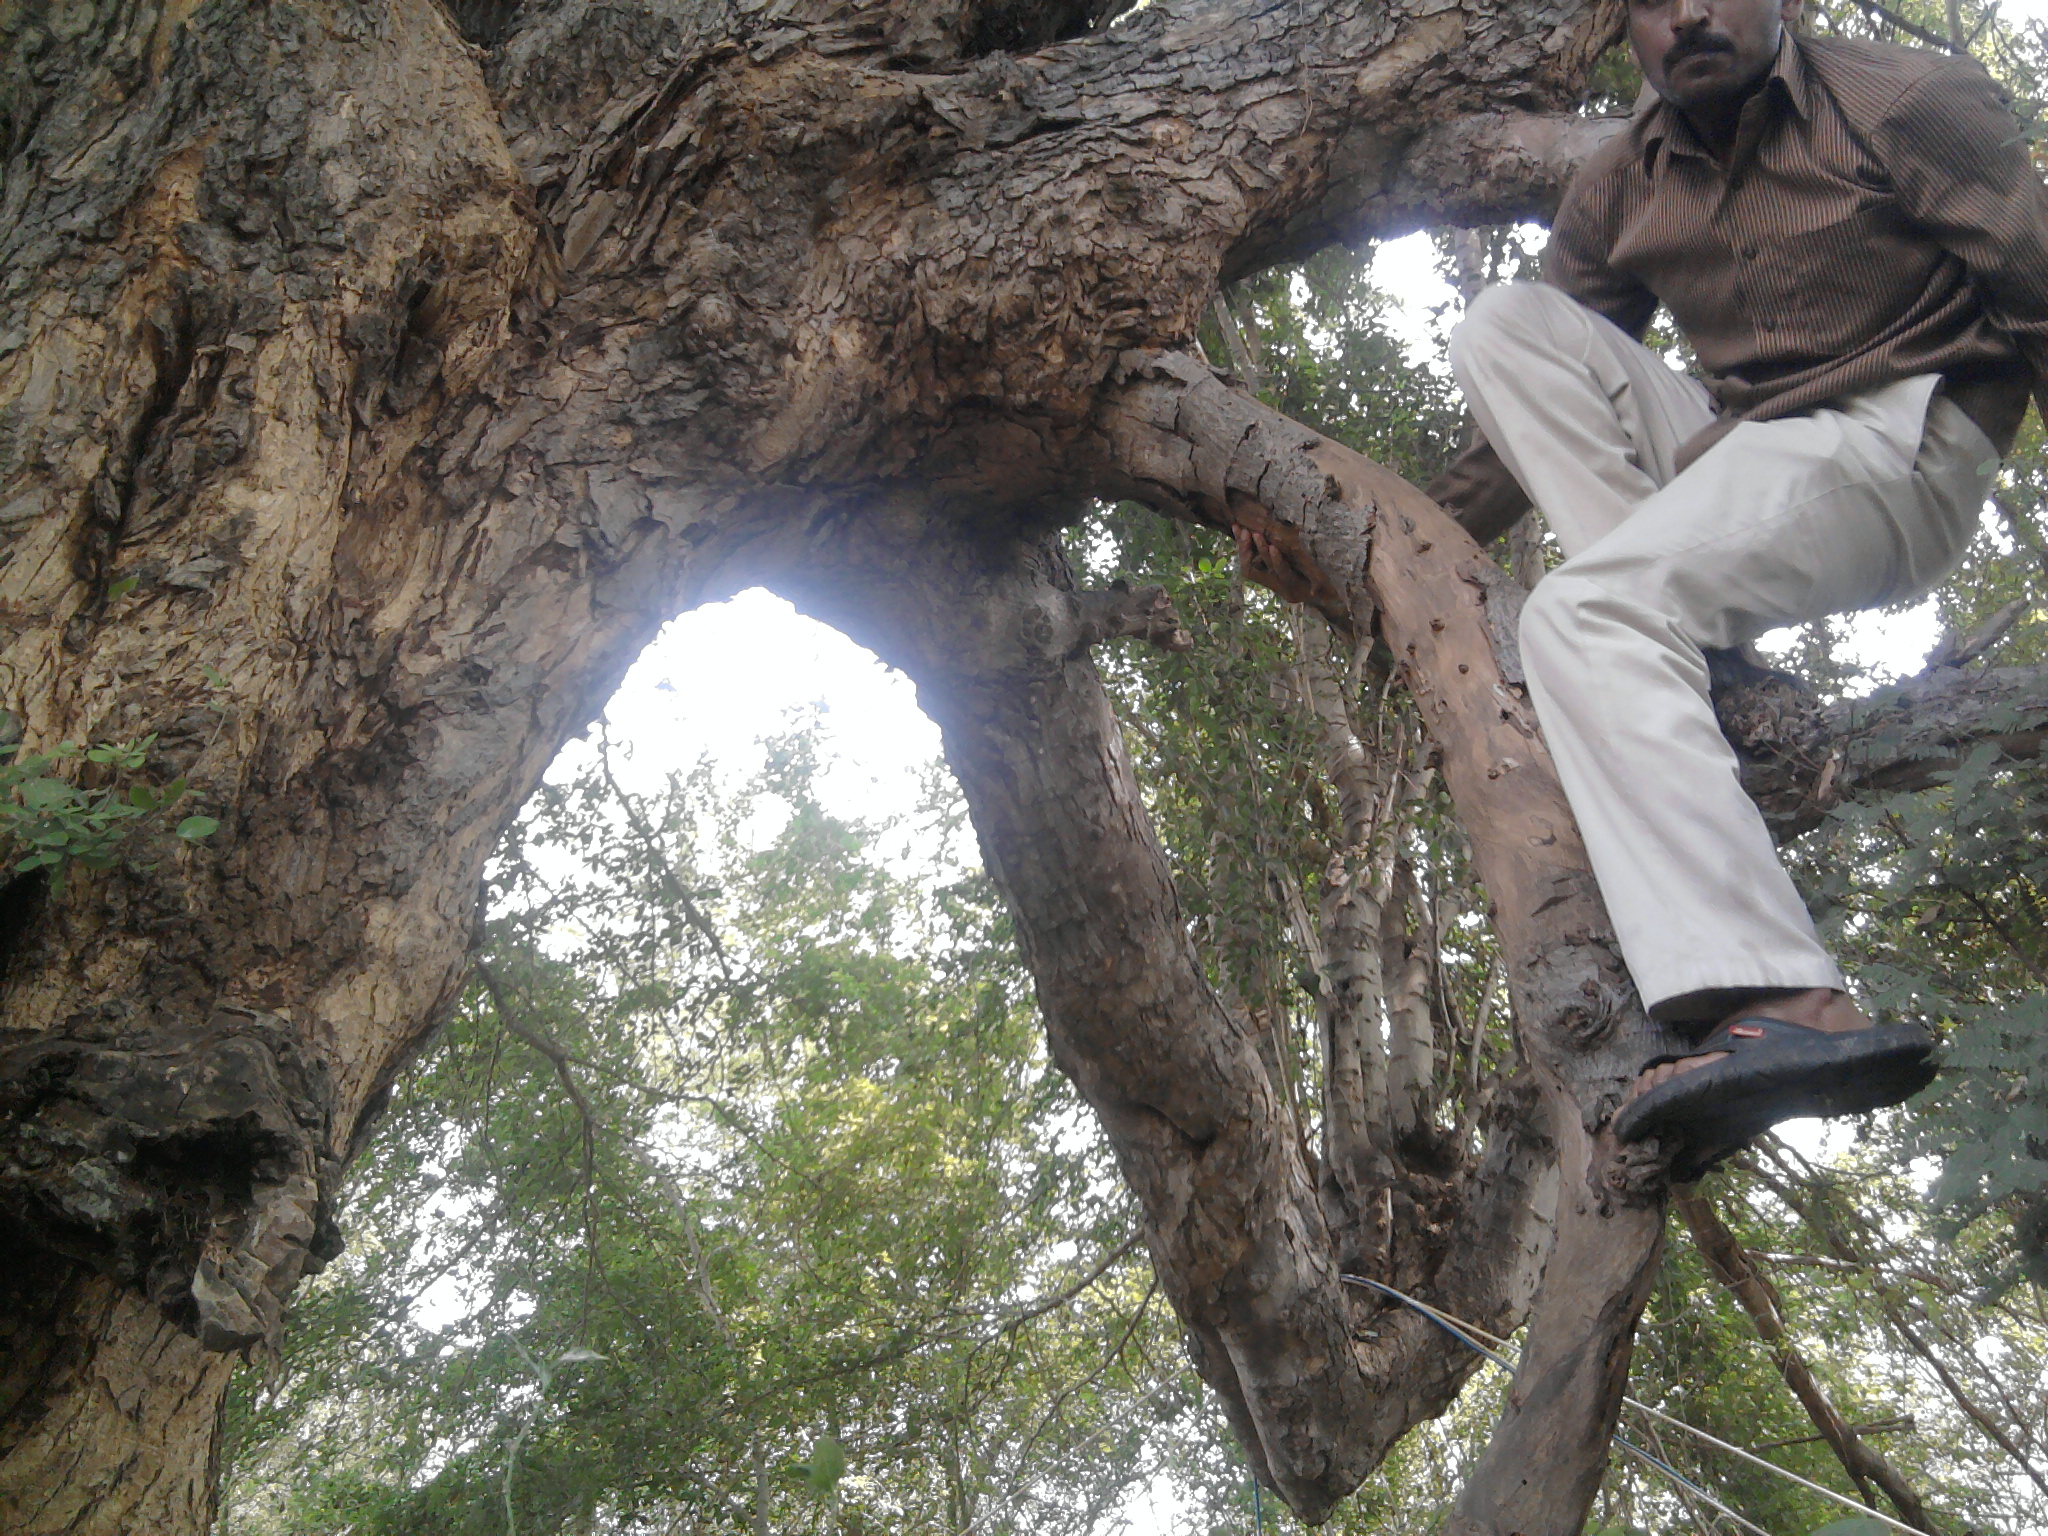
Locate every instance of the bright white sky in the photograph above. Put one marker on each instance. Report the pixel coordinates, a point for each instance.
(722, 677)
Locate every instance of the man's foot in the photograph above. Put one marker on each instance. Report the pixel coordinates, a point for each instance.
(1816, 1008)
(1778, 1058)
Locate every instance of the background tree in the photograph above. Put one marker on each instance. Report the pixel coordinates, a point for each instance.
(763, 1146)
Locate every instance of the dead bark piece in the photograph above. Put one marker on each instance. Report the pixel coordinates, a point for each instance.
(187, 1163)
(1121, 613)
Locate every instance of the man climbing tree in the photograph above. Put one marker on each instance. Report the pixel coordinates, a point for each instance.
(1851, 236)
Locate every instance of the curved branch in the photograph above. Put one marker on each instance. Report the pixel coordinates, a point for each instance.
(835, 230)
(1176, 436)
(1800, 758)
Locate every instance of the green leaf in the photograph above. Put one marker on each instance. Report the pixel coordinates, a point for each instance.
(38, 860)
(119, 589)
(143, 798)
(827, 1466)
(1855, 1525)
(193, 828)
(47, 794)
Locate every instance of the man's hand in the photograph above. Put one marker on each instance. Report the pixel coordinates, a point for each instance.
(1265, 562)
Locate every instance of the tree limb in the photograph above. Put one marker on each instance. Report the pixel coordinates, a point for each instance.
(1801, 758)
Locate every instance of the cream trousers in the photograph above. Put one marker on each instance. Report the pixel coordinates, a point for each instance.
(1780, 522)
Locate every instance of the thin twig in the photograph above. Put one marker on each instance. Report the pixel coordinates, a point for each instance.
(1895, 1315)
(1730, 1265)
(544, 1043)
(671, 882)
(1912, 29)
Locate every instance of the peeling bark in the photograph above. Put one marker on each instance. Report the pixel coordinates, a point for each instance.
(188, 1166)
(1801, 758)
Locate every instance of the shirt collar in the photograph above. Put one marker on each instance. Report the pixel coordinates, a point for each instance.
(1657, 122)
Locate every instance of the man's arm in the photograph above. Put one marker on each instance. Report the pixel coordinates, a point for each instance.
(1576, 259)
(1960, 166)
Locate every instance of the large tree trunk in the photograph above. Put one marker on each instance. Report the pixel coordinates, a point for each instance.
(375, 378)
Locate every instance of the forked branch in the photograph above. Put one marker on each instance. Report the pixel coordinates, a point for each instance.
(1178, 437)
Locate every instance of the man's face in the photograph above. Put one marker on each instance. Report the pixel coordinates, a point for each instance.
(1703, 53)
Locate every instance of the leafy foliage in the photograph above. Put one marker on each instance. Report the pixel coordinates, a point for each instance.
(55, 822)
(760, 1151)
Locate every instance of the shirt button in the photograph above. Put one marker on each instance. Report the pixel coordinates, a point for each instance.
(1749, 253)
(1770, 325)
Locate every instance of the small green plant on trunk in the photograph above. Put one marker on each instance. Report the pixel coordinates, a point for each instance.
(48, 821)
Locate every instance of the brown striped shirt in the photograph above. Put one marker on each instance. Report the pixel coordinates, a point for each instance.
(1879, 218)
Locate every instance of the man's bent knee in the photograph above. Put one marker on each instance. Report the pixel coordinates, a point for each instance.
(1550, 632)
(1515, 315)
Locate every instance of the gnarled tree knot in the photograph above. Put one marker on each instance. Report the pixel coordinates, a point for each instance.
(1121, 612)
(192, 1163)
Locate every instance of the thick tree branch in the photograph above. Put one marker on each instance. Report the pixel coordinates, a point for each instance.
(1177, 436)
(1481, 168)
(773, 225)
(1801, 758)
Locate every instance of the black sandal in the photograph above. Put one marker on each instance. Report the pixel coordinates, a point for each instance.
(1774, 1070)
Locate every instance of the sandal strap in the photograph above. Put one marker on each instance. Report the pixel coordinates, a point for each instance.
(1731, 1037)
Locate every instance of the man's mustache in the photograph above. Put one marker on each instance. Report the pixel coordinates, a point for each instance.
(1696, 45)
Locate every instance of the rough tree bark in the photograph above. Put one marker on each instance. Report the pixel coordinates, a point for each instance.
(374, 380)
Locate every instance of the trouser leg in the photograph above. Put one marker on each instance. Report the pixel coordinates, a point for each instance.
(1587, 419)
(1779, 523)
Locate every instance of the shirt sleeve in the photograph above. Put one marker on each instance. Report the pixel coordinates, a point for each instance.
(1481, 492)
(1581, 235)
(1960, 167)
